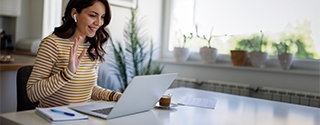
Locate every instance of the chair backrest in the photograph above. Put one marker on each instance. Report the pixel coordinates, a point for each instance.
(23, 102)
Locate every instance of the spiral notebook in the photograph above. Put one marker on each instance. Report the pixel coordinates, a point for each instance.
(60, 114)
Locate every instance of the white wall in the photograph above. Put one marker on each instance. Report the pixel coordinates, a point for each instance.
(29, 23)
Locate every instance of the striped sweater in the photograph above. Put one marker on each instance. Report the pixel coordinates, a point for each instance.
(53, 84)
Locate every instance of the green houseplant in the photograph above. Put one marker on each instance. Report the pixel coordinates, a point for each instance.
(134, 58)
(239, 56)
(181, 53)
(257, 57)
(208, 40)
(185, 39)
(208, 54)
(285, 57)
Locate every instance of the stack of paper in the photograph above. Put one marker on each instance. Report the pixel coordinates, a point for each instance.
(60, 114)
(197, 102)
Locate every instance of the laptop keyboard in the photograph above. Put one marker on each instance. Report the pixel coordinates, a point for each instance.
(105, 111)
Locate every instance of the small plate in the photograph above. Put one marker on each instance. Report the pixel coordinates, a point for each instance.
(166, 107)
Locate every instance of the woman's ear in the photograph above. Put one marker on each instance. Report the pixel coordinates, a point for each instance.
(74, 14)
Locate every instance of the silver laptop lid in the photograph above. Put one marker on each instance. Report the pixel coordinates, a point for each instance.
(142, 94)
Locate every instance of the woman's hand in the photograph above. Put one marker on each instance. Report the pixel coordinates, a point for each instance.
(74, 59)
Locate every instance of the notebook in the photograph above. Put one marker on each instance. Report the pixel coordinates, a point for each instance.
(60, 114)
(141, 95)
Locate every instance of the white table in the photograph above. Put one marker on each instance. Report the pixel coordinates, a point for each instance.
(229, 110)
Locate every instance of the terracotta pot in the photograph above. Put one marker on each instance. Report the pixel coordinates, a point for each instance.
(239, 57)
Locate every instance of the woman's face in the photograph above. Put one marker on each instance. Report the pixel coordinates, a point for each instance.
(90, 19)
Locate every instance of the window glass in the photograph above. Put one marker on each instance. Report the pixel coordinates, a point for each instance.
(294, 22)
(51, 16)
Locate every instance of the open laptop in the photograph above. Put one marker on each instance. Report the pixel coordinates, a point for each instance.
(141, 95)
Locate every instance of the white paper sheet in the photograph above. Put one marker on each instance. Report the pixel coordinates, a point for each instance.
(197, 102)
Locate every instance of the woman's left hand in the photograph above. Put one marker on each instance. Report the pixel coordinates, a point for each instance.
(74, 59)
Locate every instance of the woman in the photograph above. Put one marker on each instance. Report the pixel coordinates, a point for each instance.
(66, 66)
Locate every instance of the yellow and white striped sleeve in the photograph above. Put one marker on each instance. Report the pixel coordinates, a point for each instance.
(99, 93)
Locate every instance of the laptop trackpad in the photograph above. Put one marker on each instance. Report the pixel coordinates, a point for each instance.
(105, 111)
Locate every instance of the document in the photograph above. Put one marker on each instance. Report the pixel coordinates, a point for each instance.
(197, 102)
(60, 114)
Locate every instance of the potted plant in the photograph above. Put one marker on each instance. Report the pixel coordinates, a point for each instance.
(134, 58)
(207, 53)
(285, 58)
(181, 53)
(239, 56)
(257, 57)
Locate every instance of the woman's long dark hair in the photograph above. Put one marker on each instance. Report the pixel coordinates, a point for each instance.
(67, 29)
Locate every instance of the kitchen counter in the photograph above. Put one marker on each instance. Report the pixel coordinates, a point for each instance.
(19, 61)
(18, 52)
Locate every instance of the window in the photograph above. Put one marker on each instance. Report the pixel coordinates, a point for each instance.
(231, 20)
(51, 16)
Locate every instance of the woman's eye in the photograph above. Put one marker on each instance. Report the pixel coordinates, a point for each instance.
(92, 15)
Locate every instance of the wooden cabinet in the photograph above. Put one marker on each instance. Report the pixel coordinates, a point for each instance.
(10, 8)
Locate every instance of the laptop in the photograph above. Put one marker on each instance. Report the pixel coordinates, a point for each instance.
(141, 95)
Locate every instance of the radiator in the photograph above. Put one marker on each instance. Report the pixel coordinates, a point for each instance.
(289, 96)
(269, 93)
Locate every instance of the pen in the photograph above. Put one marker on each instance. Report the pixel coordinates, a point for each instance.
(62, 112)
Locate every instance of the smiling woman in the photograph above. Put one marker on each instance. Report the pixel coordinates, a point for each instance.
(64, 71)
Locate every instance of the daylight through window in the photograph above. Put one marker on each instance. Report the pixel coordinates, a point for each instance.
(230, 21)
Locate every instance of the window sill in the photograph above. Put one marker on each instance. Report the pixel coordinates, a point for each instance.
(250, 68)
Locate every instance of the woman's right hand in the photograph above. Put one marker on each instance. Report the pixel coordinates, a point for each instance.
(74, 59)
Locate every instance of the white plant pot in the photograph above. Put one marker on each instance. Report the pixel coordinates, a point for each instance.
(208, 55)
(258, 59)
(285, 60)
(181, 54)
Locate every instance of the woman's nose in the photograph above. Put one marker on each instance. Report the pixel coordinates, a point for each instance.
(98, 22)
